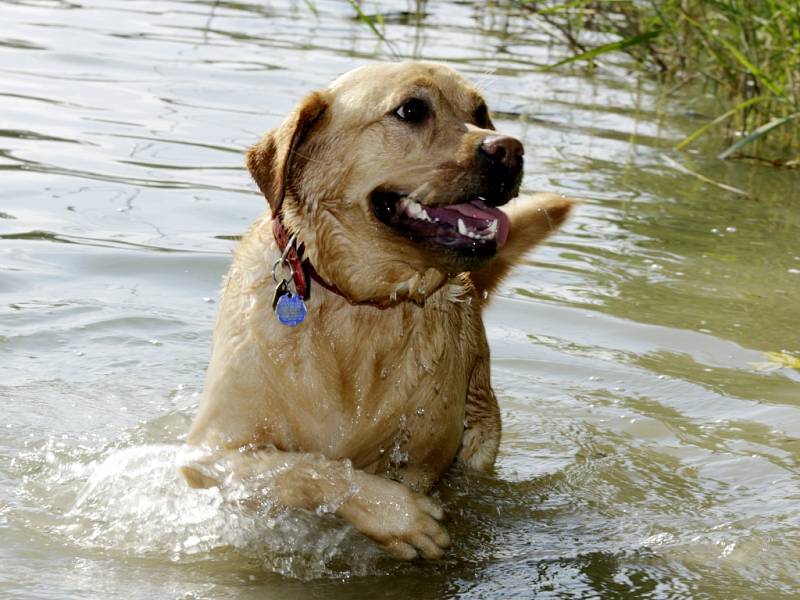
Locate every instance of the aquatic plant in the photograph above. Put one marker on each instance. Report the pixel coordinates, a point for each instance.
(747, 52)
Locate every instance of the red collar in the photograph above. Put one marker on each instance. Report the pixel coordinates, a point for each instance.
(302, 267)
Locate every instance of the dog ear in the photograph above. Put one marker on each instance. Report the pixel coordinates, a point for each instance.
(533, 218)
(270, 160)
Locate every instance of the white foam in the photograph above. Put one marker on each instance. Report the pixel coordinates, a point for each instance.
(135, 502)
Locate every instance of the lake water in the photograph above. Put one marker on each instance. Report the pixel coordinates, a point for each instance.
(651, 444)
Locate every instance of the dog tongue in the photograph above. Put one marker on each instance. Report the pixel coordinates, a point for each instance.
(477, 214)
(476, 209)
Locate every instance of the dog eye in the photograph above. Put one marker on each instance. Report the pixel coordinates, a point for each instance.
(481, 117)
(413, 111)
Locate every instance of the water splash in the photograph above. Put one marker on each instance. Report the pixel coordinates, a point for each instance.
(135, 502)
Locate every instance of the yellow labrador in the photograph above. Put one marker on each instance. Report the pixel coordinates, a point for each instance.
(384, 191)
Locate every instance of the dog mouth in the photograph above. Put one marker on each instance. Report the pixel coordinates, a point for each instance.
(470, 226)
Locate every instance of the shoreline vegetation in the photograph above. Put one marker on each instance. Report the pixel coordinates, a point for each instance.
(745, 53)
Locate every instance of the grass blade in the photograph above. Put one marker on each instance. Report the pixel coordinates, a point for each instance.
(758, 134)
(723, 186)
(567, 6)
(756, 72)
(606, 48)
(698, 132)
(370, 22)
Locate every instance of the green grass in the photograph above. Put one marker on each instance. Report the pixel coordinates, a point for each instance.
(747, 52)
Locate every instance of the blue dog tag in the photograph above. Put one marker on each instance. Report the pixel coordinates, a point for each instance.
(290, 309)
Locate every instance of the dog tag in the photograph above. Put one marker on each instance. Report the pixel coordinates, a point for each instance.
(290, 309)
(280, 290)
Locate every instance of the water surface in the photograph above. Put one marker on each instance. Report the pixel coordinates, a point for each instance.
(650, 447)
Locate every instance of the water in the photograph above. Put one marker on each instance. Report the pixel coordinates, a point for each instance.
(650, 447)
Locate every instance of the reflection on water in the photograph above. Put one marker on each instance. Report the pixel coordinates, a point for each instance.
(650, 447)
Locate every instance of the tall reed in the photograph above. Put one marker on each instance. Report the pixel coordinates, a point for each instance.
(748, 51)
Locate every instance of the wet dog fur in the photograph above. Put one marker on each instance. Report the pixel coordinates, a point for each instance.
(361, 408)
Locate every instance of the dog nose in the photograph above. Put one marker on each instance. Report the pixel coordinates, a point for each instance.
(503, 149)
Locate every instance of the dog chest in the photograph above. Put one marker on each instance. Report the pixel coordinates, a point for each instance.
(375, 386)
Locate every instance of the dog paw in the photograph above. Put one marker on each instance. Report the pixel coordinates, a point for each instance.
(404, 523)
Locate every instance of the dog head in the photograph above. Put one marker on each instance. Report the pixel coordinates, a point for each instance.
(391, 177)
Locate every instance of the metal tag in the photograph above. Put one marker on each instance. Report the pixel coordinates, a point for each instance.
(290, 309)
(280, 290)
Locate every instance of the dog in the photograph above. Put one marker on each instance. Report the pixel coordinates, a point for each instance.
(385, 239)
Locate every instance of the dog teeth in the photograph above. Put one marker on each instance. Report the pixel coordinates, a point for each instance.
(463, 230)
(414, 209)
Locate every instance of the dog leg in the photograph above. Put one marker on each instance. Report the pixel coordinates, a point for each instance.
(482, 421)
(404, 523)
(533, 218)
